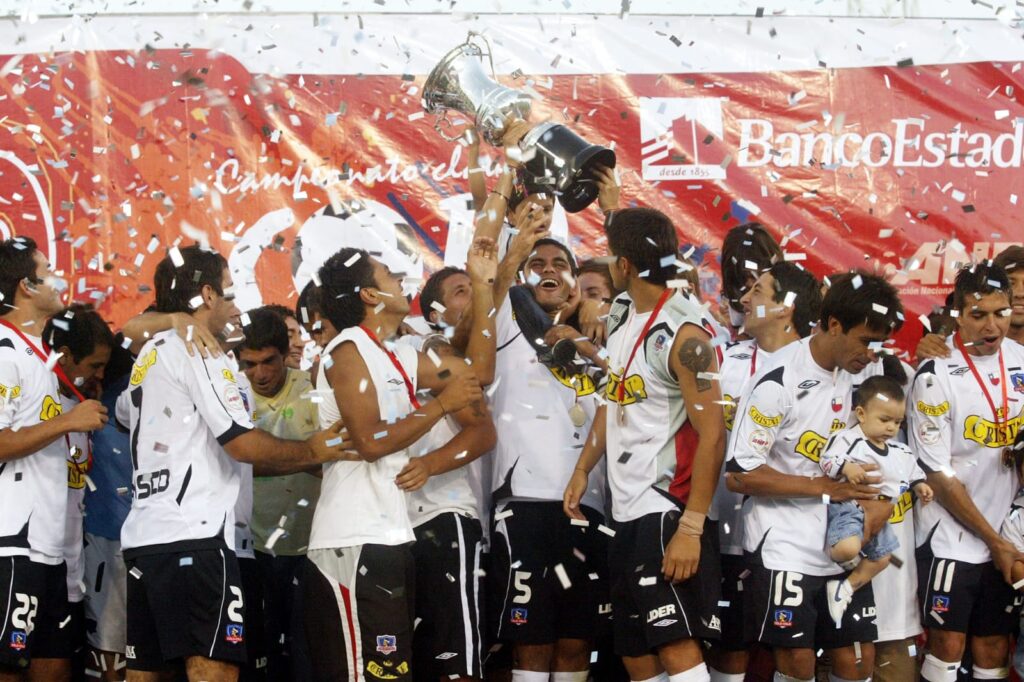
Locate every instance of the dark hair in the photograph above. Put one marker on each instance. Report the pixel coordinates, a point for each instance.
(177, 286)
(598, 267)
(549, 241)
(1010, 259)
(645, 237)
(792, 279)
(746, 244)
(17, 262)
(877, 385)
(860, 298)
(284, 311)
(308, 304)
(980, 279)
(266, 329)
(432, 292)
(342, 277)
(80, 328)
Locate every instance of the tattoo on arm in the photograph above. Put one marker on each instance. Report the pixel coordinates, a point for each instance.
(478, 408)
(696, 356)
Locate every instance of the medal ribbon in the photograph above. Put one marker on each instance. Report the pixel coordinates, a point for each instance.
(621, 393)
(398, 366)
(977, 377)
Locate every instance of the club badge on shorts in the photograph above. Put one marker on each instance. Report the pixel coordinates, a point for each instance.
(387, 644)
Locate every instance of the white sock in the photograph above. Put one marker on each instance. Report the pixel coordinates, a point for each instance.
(935, 670)
(529, 676)
(698, 673)
(989, 673)
(659, 678)
(779, 677)
(717, 676)
(579, 676)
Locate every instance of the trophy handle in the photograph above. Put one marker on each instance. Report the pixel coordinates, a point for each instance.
(442, 118)
(489, 52)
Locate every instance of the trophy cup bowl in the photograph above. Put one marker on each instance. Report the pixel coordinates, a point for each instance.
(561, 162)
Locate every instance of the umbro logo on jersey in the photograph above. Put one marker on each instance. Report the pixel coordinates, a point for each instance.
(810, 383)
(446, 655)
(959, 370)
(665, 622)
(397, 382)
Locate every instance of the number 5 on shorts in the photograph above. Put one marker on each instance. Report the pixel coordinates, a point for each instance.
(519, 582)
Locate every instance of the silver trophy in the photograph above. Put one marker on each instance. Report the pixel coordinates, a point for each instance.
(555, 159)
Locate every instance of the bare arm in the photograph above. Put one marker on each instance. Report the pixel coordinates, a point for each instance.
(491, 215)
(477, 436)
(272, 456)
(481, 346)
(593, 451)
(953, 496)
(86, 416)
(372, 437)
(477, 181)
(142, 328)
(764, 481)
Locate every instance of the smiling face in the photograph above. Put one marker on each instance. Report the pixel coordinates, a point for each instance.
(549, 276)
(759, 305)
(984, 322)
(46, 287)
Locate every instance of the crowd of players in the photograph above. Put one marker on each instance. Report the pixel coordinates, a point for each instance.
(570, 471)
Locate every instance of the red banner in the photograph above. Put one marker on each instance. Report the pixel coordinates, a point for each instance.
(108, 158)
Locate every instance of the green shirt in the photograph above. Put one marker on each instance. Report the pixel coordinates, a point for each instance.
(286, 502)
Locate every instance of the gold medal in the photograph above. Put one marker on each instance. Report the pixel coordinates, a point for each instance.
(577, 415)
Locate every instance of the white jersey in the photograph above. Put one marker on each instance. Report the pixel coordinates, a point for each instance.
(447, 492)
(645, 452)
(784, 422)
(183, 410)
(1012, 528)
(245, 545)
(359, 501)
(896, 464)
(740, 363)
(78, 463)
(538, 444)
(33, 489)
(952, 430)
(897, 613)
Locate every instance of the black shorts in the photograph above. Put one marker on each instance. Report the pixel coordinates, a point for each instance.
(730, 607)
(549, 576)
(34, 599)
(255, 668)
(648, 610)
(448, 638)
(790, 610)
(183, 604)
(359, 615)
(962, 597)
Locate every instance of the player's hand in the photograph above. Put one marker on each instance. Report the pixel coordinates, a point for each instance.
(462, 390)
(196, 336)
(932, 346)
(681, 557)
(571, 303)
(413, 475)
(1004, 554)
(515, 130)
(574, 492)
(482, 262)
(876, 514)
(607, 188)
(854, 472)
(89, 415)
(333, 445)
(841, 491)
(924, 493)
(592, 315)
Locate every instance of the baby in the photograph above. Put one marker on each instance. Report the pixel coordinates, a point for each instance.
(879, 406)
